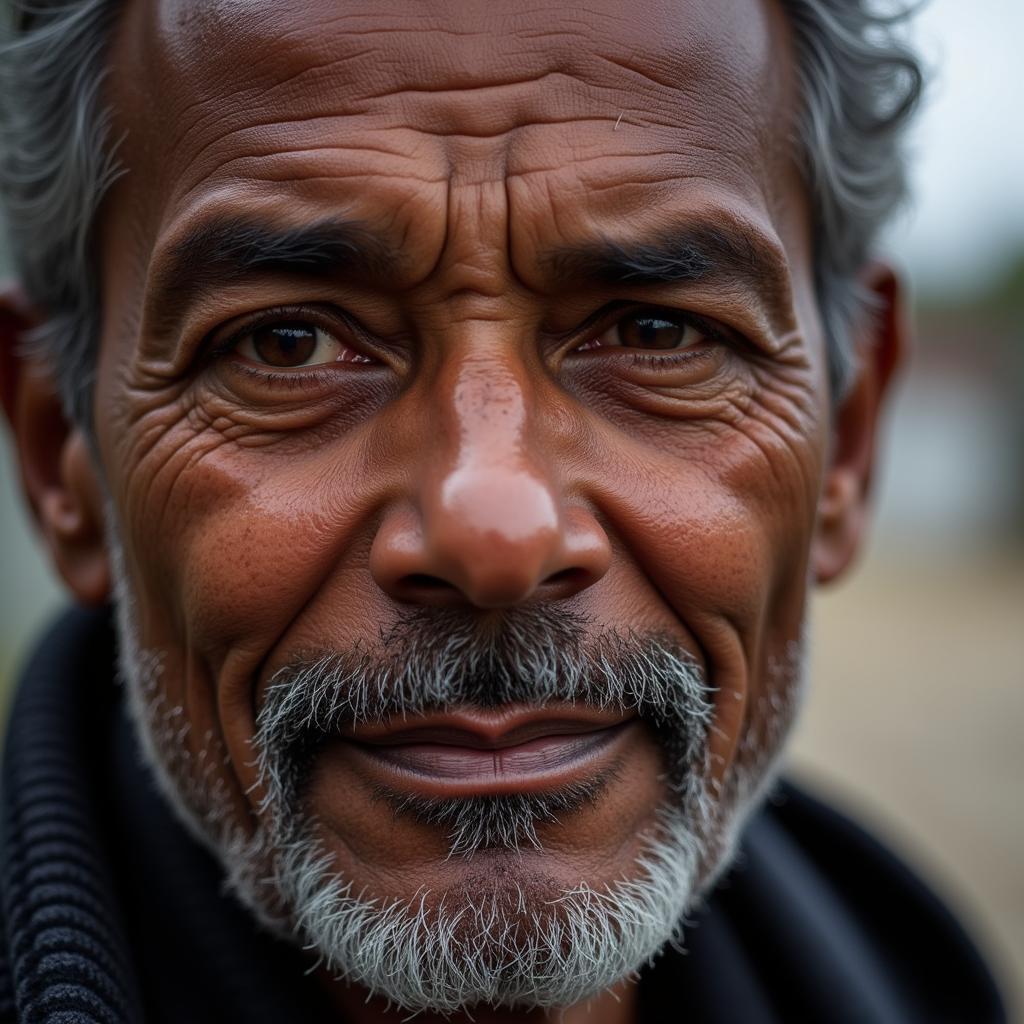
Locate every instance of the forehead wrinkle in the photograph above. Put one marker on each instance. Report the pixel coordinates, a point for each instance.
(251, 29)
(634, 76)
(447, 123)
(397, 54)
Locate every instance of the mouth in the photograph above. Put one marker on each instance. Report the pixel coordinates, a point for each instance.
(476, 752)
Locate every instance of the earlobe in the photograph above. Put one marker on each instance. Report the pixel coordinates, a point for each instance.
(73, 514)
(58, 472)
(843, 503)
(841, 524)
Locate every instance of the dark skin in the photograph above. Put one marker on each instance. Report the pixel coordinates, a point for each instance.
(493, 410)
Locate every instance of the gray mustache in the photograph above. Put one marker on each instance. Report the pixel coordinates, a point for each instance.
(438, 659)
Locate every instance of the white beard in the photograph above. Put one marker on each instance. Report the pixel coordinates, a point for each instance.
(511, 941)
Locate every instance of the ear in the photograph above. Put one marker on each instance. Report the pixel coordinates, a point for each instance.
(881, 342)
(58, 474)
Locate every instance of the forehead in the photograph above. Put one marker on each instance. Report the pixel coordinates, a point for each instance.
(360, 53)
(376, 112)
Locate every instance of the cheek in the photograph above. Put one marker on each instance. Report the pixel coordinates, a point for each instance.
(719, 525)
(233, 541)
(720, 530)
(227, 546)
(251, 558)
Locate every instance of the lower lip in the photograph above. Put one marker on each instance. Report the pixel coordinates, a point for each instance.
(442, 770)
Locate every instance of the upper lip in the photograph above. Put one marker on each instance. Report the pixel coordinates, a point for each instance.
(488, 729)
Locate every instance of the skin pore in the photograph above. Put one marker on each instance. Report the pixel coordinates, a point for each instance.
(433, 308)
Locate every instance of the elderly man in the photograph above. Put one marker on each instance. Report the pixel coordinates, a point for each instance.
(454, 404)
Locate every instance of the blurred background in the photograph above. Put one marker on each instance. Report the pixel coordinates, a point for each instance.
(916, 708)
(915, 712)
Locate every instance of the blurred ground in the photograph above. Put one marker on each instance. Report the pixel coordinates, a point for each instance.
(913, 723)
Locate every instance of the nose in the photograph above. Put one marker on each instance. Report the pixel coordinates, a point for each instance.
(489, 522)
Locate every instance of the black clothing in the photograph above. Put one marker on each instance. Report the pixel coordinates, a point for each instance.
(113, 913)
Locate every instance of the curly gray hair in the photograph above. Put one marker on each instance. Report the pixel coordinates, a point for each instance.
(859, 82)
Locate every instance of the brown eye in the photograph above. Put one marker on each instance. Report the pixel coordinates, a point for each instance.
(288, 344)
(648, 329)
(284, 344)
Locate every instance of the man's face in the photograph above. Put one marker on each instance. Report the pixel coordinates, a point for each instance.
(420, 318)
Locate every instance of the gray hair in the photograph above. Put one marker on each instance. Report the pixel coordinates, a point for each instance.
(859, 81)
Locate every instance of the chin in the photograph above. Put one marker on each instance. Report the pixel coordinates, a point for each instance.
(496, 927)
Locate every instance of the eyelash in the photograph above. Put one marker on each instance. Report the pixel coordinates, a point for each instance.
(611, 314)
(311, 377)
(314, 314)
(663, 361)
(597, 323)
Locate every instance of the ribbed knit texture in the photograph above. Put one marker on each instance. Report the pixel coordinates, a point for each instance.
(67, 959)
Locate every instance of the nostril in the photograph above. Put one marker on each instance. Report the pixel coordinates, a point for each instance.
(420, 585)
(570, 580)
(421, 579)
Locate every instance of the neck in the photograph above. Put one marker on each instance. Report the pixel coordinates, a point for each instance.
(616, 1005)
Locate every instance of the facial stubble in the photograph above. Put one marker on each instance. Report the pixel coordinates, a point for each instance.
(500, 937)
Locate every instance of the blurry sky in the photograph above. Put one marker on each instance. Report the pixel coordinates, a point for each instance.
(967, 216)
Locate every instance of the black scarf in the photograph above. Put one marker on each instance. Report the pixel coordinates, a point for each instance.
(113, 914)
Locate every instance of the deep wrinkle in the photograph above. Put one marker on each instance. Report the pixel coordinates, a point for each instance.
(520, 511)
(226, 251)
(263, 514)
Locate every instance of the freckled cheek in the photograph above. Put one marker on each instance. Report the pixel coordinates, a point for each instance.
(703, 549)
(234, 546)
(726, 551)
(233, 550)
(245, 573)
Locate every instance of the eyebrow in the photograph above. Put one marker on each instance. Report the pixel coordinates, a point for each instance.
(224, 251)
(687, 254)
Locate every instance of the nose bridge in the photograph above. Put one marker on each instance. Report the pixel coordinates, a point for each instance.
(489, 517)
(483, 402)
(490, 504)
(492, 520)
